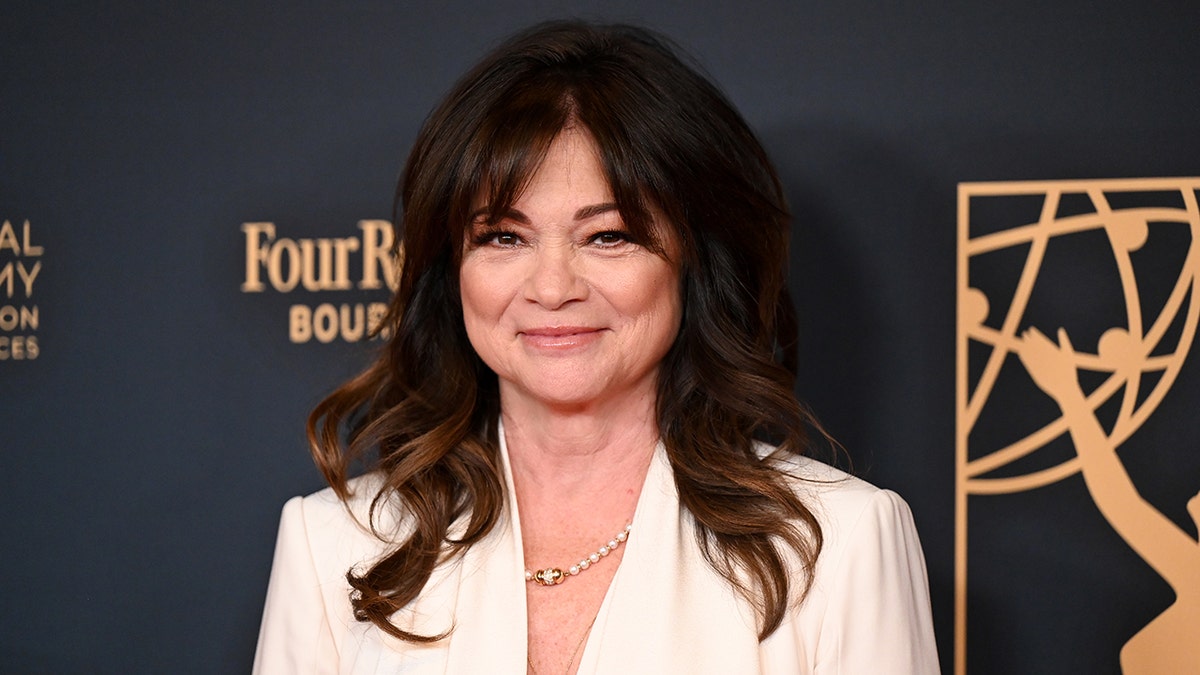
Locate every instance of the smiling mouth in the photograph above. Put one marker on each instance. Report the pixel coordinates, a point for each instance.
(560, 337)
(558, 331)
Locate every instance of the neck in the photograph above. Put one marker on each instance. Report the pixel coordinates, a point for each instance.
(574, 457)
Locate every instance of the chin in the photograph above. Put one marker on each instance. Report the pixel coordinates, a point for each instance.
(565, 398)
(554, 389)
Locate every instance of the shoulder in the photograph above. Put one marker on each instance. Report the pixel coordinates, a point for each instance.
(340, 535)
(307, 617)
(868, 607)
(833, 494)
(840, 500)
(324, 505)
(865, 529)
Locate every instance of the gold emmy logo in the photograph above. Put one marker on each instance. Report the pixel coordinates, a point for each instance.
(1099, 399)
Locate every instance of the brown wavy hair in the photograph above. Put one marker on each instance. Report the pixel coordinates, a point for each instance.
(423, 414)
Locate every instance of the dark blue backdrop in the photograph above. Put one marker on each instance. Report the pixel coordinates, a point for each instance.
(146, 450)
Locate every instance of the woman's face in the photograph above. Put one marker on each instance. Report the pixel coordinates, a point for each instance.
(557, 301)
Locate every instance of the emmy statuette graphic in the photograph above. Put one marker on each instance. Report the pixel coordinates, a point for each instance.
(1131, 371)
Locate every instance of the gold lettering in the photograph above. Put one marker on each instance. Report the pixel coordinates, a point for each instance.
(8, 278)
(352, 331)
(275, 265)
(256, 255)
(376, 312)
(377, 245)
(18, 348)
(299, 324)
(27, 276)
(324, 324)
(308, 263)
(30, 249)
(321, 264)
(24, 318)
(320, 273)
(8, 238)
(9, 318)
(341, 268)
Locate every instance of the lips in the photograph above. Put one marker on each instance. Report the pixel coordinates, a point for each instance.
(558, 331)
(560, 337)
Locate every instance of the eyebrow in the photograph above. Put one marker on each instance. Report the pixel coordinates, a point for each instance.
(595, 210)
(583, 213)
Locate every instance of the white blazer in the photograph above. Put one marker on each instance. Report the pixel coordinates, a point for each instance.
(666, 610)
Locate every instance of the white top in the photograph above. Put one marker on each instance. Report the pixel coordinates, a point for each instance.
(666, 610)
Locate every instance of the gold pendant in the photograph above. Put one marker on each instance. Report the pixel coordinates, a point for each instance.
(549, 576)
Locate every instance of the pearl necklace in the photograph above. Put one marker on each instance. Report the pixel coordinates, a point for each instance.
(552, 576)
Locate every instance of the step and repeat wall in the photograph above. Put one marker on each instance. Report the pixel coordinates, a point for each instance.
(995, 261)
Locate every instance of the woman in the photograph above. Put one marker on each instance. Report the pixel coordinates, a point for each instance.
(588, 455)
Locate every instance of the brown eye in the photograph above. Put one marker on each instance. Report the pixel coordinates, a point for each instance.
(610, 238)
(501, 238)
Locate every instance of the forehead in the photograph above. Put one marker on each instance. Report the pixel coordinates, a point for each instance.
(571, 165)
(570, 160)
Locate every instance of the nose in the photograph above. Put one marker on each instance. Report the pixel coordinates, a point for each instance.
(554, 279)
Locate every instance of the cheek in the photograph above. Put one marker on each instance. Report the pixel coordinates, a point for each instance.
(655, 298)
(475, 302)
(671, 314)
(475, 293)
(672, 303)
(485, 299)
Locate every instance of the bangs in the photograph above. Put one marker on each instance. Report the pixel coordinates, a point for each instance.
(511, 142)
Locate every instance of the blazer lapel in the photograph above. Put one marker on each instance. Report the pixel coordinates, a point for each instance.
(667, 611)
